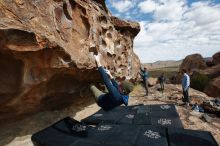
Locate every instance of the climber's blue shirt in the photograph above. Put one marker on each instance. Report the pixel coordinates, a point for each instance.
(144, 75)
(185, 82)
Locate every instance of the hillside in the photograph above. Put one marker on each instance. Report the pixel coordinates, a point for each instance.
(162, 64)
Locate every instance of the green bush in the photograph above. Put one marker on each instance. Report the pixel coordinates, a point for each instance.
(199, 81)
(127, 86)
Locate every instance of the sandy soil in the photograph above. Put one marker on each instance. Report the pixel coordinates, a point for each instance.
(18, 132)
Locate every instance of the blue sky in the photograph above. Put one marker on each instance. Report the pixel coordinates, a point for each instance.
(172, 29)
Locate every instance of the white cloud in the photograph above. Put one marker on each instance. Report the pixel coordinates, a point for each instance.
(195, 31)
(172, 29)
(122, 5)
(147, 6)
(163, 9)
(203, 13)
(170, 10)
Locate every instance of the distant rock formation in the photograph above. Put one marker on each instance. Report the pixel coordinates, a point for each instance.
(47, 47)
(152, 81)
(192, 62)
(162, 64)
(216, 58)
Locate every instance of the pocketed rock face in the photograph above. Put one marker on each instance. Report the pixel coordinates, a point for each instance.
(47, 47)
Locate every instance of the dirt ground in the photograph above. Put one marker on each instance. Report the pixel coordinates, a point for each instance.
(18, 132)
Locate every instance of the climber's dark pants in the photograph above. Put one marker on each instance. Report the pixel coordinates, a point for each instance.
(162, 86)
(186, 95)
(145, 83)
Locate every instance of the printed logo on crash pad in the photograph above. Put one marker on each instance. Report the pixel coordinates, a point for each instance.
(104, 128)
(79, 128)
(151, 134)
(165, 107)
(129, 116)
(164, 122)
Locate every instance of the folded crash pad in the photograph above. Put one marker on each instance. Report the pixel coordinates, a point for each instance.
(62, 133)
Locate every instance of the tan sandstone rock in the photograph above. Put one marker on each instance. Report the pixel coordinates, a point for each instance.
(213, 88)
(216, 58)
(193, 62)
(47, 47)
(152, 81)
(211, 72)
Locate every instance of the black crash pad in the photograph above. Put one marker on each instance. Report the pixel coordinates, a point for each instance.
(126, 109)
(124, 135)
(183, 137)
(143, 109)
(121, 115)
(152, 136)
(142, 119)
(164, 114)
(143, 115)
(100, 132)
(89, 143)
(167, 122)
(65, 133)
(103, 117)
(126, 118)
(167, 118)
(59, 134)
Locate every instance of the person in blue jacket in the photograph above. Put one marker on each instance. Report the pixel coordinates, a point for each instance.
(144, 76)
(116, 94)
(185, 87)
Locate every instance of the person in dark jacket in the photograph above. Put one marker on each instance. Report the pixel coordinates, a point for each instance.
(144, 76)
(116, 95)
(161, 80)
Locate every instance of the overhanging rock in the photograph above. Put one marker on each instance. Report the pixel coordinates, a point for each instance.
(47, 47)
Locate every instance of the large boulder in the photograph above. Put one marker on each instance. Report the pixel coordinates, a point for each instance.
(152, 81)
(209, 61)
(211, 72)
(193, 62)
(213, 88)
(47, 47)
(207, 80)
(216, 58)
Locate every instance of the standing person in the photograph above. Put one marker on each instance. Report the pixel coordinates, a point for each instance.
(144, 76)
(161, 80)
(116, 95)
(185, 87)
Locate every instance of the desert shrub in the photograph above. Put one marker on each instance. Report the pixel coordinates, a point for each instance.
(127, 86)
(199, 81)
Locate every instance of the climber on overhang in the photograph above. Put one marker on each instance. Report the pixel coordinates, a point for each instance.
(116, 95)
